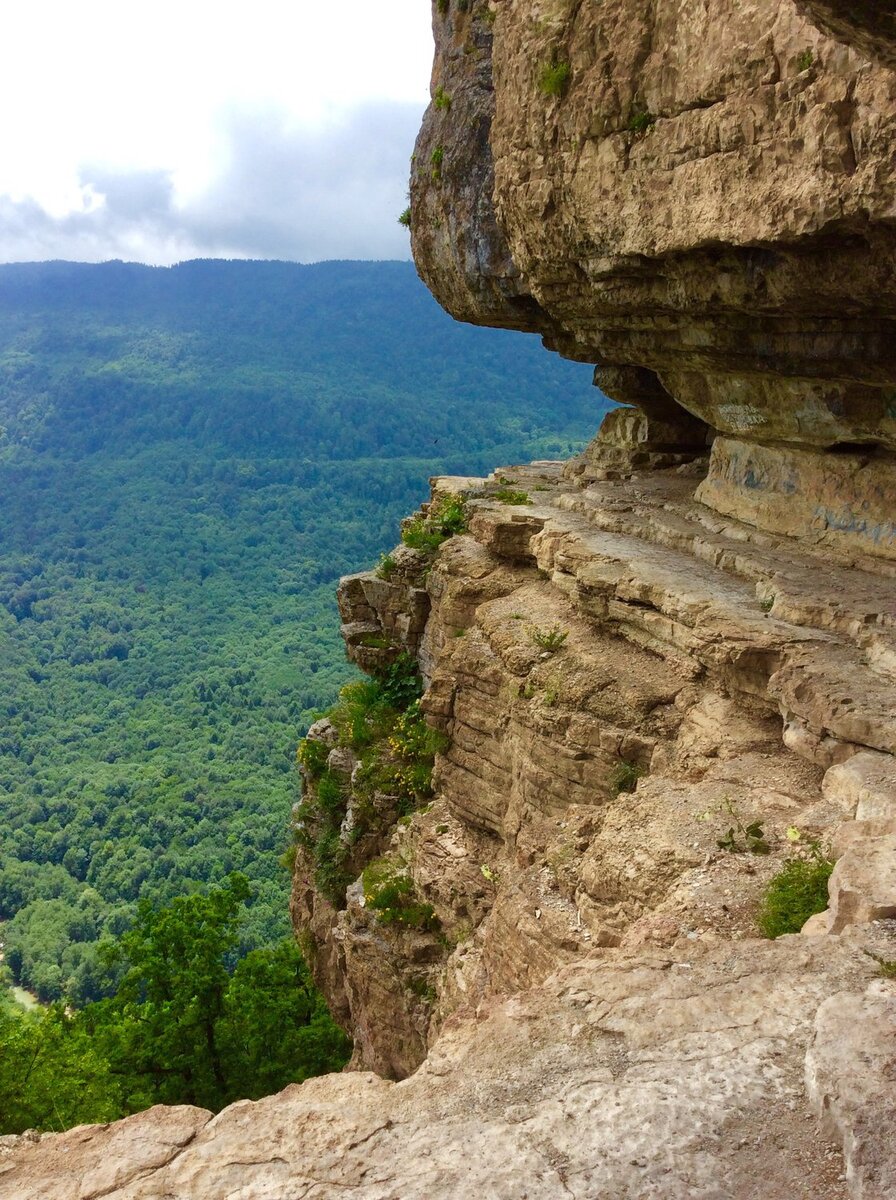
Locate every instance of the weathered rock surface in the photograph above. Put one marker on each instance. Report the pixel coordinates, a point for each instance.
(701, 201)
(624, 1076)
(707, 675)
(686, 633)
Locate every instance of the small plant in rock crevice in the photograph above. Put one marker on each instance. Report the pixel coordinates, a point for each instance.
(740, 838)
(420, 987)
(375, 641)
(511, 496)
(625, 777)
(404, 218)
(389, 892)
(445, 517)
(549, 639)
(386, 567)
(553, 79)
(380, 721)
(441, 100)
(886, 967)
(312, 755)
(796, 893)
(640, 120)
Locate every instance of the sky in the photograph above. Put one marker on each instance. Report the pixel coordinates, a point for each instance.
(157, 132)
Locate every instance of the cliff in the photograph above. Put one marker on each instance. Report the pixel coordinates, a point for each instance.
(654, 677)
(700, 199)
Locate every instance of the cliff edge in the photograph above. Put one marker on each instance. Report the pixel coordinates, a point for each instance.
(701, 200)
(613, 699)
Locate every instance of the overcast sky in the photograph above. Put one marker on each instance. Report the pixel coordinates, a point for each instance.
(160, 131)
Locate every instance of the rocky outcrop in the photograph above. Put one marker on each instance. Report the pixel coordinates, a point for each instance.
(865, 24)
(701, 201)
(623, 676)
(662, 672)
(627, 680)
(624, 1076)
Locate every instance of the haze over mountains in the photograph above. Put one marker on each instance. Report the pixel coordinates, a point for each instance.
(190, 456)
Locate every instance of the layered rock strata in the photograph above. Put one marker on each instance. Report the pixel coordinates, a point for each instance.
(677, 649)
(701, 200)
(624, 676)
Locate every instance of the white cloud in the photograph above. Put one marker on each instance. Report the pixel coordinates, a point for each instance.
(282, 193)
(159, 131)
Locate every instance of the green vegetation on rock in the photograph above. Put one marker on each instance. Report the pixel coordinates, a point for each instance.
(444, 517)
(381, 722)
(796, 893)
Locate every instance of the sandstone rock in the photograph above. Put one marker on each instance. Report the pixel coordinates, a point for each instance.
(630, 439)
(865, 785)
(683, 639)
(701, 203)
(865, 24)
(858, 1107)
(98, 1160)
(669, 1075)
(844, 500)
(863, 884)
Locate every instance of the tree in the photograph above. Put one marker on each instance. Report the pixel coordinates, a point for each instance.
(275, 1028)
(52, 1076)
(191, 1025)
(161, 1028)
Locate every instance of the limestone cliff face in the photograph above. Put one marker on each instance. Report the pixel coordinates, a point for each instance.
(626, 681)
(659, 671)
(700, 199)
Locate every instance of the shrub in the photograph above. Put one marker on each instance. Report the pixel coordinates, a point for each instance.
(554, 78)
(509, 496)
(805, 60)
(441, 99)
(741, 838)
(380, 719)
(446, 516)
(402, 683)
(389, 892)
(374, 641)
(886, 967)
(641, 120)
(312, 755)
(420, 987)
(362, 715)
(319, 821)
(436, 159)
(386, 567)
(797, 892)
(402, 765)
(404, 218)
(331, 877)
(625, 777)
(549, 639)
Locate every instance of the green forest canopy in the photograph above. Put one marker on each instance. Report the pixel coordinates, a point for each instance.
(189, 458)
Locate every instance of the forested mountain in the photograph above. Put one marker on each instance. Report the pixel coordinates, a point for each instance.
(189, 457)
